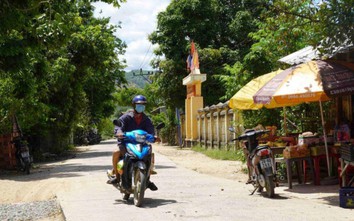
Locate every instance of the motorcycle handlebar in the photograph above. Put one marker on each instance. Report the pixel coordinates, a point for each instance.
(117, 123)
(122, 138)
(252, 133)
(128, 138)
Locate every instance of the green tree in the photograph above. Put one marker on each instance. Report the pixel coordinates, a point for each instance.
(285, 27)
(329, 23)
(58, 66)
(238, 41)
(220, 31)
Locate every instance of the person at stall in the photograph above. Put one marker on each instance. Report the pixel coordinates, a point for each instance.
(342, 131)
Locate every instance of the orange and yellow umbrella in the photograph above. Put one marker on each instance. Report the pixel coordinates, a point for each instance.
(243, 99)
(295, 85)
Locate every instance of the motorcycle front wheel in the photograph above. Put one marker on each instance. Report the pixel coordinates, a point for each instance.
(269, 186)
(139, 187)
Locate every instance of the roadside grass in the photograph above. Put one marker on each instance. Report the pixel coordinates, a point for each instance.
(221, 154)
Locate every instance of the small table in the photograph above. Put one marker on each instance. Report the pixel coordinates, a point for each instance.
(344, 165)
(298, 160)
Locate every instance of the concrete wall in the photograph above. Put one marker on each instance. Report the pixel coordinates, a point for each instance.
(213, 123)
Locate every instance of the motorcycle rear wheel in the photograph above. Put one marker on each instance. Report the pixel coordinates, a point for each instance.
(27, 168)
(139, 187)
(24, 165)
(269, 186)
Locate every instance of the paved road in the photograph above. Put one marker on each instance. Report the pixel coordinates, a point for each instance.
(187, 195)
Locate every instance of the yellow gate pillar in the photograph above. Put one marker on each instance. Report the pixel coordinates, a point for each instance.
(193, 102)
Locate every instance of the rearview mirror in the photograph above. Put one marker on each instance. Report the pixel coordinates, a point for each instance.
(231, 129)
(117, 123)
(160, 125)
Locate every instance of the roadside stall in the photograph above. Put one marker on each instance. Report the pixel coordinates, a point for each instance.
(243, 100)
(340, 86)
(293, 86)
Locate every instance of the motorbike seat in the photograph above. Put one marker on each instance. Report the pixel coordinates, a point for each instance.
(262, 147)
(257, 149)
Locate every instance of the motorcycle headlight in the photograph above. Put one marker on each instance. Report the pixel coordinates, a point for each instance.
(139, 147)
(140, 138)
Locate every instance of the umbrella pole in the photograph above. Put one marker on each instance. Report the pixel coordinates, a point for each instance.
(325, 139)
(285, 127)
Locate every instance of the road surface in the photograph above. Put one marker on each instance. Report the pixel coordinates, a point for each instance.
(185, 194)
(191, 187)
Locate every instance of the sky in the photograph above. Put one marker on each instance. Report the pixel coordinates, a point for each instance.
(138, 19)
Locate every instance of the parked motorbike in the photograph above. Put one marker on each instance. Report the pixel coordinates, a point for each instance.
(137, 163)
(260, 162)
(23, 158)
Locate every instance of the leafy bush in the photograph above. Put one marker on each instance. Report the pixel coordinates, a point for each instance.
(105, 128)
(168, 133)
(263, 116)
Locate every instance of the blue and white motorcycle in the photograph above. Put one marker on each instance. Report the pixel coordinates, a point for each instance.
(136, 163)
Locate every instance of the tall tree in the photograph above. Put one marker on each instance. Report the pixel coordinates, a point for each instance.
(219, 29)
(58, 65)
(287, 26)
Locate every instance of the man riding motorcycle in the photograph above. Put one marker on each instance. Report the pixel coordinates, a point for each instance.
(131, 120)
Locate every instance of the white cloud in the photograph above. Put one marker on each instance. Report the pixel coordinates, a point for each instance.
(138, 19)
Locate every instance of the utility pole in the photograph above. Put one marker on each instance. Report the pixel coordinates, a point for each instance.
(145, 74)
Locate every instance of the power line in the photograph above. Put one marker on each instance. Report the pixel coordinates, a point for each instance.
(141, 65)
(149, 59)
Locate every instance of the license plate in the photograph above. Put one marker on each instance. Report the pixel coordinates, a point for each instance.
(25, 154)
(266, 163)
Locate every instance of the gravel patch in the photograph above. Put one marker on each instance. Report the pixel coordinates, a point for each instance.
(29, 211)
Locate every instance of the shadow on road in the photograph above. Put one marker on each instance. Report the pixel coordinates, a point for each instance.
(70, 164)
(147, 203)
(94, 154)
(330, 192)
(153, 202)
(276, 196)
(163, 167)
(109, 142)
(332, 200)
(57, 171)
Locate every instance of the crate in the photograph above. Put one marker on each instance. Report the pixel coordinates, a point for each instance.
(347, 152)
(295, 154)
(346, 197)
(310, 140)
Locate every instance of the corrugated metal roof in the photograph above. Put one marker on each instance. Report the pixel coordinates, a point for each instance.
(304, 55)
(309, 53)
